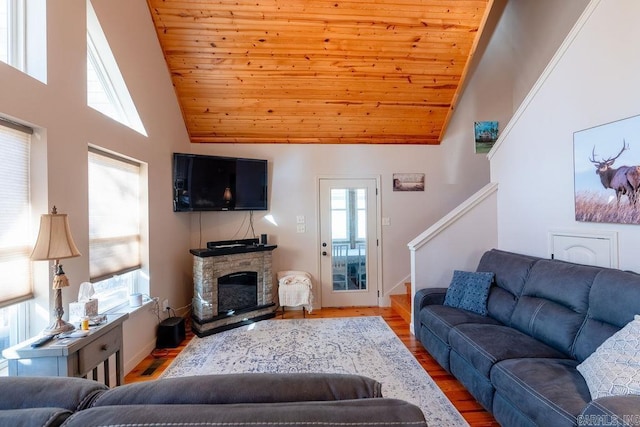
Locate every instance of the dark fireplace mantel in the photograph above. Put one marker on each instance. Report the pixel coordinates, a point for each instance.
(219, 261)
(228, 247)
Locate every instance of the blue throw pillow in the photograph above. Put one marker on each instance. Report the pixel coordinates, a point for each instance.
(469, 291)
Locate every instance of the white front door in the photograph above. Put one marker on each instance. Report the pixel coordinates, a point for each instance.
(349, 242)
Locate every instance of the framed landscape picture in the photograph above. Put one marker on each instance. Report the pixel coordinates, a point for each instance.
(408, 182)
(607, 172)
(486, 134)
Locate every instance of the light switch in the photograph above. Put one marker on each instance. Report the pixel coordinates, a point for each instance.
(300, 219)
(301, 228)
(386, 221)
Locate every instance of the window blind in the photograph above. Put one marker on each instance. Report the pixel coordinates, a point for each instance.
(15, 223)
(114, 215)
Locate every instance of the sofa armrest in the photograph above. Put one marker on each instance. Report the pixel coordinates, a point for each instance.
(424, 297)
(40, 392)
(616, 410)
(243, 388)
(44, 417)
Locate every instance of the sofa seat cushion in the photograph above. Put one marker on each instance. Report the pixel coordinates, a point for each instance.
(482, 346)
(360, 412)
(551, 392)
(613, 406)
(439, 319)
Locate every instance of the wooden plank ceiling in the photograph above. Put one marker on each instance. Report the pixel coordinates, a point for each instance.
(318, 71)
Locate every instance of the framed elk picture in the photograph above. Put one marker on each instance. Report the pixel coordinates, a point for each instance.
(607, 172)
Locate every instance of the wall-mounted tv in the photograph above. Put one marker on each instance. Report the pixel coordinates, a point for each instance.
(214, 183)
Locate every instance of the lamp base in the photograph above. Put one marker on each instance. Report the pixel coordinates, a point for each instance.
(57, 327)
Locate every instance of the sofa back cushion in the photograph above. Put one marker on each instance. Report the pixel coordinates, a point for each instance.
(511, 271)
(613, 301)
(554, 302)
(243, 388)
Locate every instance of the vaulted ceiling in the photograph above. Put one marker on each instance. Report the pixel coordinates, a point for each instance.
(318, 71)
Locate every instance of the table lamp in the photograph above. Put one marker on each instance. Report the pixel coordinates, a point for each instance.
(55, 243)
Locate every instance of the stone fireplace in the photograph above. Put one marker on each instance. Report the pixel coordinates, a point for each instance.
(232, 286)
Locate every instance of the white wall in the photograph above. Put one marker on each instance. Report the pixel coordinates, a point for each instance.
(594, 81)
(294, 170)
(472, 225)
(65, 126)
(531, 32)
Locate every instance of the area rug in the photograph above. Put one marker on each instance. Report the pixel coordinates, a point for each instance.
(355, 345)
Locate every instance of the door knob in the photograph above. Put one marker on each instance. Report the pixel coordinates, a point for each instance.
(324, 253)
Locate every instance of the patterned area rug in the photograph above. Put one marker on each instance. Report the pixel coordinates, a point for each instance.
(357, 345)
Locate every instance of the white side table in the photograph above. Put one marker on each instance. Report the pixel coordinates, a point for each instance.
(72, 357)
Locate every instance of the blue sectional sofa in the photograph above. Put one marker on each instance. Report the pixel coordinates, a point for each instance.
(544, 318)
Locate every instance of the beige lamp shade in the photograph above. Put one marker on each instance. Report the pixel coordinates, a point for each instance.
(54, 239)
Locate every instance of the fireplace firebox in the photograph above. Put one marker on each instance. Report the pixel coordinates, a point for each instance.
(237, 292)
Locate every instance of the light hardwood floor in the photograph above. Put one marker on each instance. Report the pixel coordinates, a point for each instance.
(153, 365)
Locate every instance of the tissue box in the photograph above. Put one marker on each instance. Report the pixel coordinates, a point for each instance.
(78, 310)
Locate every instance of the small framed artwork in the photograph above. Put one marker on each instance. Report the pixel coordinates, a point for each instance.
(486, 134)
(408, 182)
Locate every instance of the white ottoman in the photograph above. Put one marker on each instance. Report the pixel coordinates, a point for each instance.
(294, 290)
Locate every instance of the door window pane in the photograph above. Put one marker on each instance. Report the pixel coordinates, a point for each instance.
(348, 238)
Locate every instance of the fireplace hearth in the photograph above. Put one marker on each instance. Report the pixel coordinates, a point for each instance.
(232, 285)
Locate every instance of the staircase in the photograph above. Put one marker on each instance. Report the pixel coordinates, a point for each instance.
(401, 303)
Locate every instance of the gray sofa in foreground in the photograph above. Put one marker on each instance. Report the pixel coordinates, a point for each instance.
(229, 400)
(543, 319)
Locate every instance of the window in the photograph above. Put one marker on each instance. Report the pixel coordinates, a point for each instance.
(12, 32)
(15, 231)
(106, 89)
(114, 227)
(349, 214)
(13, 327)
(23, 36)
(15, 221)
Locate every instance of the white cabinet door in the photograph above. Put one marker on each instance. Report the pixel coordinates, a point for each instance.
(592, 249)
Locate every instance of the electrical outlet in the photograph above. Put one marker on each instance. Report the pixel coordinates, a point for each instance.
(165, 304)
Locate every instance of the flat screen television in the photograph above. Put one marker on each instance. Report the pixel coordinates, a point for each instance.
(214, 183)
